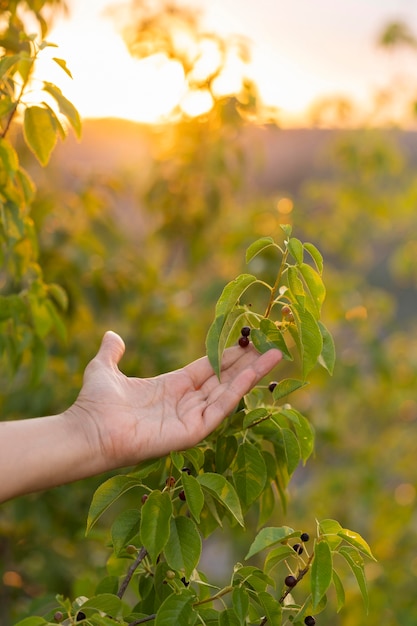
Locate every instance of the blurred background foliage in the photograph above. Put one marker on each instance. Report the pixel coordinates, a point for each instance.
(146, 249)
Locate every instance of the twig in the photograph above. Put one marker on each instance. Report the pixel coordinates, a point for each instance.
(142, 620)
(126, 580)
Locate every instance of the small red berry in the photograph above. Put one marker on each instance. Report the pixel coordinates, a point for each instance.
(59, 616)
(309, 620)
(245, 331)
(144, 498)
(181, 495)
(290, 581)
(170, 481)
(243, 342)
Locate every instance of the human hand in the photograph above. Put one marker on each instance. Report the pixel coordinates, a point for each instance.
(128, 420)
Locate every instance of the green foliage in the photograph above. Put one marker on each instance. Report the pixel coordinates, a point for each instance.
(159, 542)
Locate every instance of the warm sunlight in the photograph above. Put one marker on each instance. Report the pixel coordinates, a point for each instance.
(294, 62)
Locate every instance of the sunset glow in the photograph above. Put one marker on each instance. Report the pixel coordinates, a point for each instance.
(291, 71)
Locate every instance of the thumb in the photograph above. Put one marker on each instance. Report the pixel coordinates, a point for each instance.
(111, 349)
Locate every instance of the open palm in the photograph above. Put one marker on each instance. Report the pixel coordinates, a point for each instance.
(134, 419)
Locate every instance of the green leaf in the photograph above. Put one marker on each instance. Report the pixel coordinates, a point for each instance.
(65, 106)
(195, 456)
(155, 523)
(287, 386)
(292, 449)
(357, 541)
(125, 527)
(8, 157)
(183, 549)
(106, 494)
(194, 495)
(311, 342)
(177, 459)
(315, 255)
(268, 537)
(276, 556)
(340, 592)
(59, 295)
(315, 287)
(271, 607)
(287, 228)
(252, 417)
(228, 618)
(249, 473)
(63, 65)
(226, 448)
(39, 132)
(305, 435)
(105, 602)
(223, 492)
(327, 357)
(177, 609)
(321, 571)
(240, 603)
(295, 283)
(356, 564)
(296, 249)
(269, 336)
(330, 528)
(32, 621)
(258, 246)
(217, 337)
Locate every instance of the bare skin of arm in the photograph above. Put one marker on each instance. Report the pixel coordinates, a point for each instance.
(118, 421)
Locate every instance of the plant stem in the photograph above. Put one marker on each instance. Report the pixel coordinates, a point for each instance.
(216, 596)
(142, 620)
(126, 580)
(276, 285)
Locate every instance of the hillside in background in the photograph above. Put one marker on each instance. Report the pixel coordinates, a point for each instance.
(278, 159)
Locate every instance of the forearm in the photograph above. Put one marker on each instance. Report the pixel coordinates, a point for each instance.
(44, 452)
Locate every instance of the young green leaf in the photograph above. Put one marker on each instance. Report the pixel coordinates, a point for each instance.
(65, 106)
(240, 603)
(315, 289)
(268, 537)
(105, 602)
(287, 386)
(276, 556)
(193, 494)
(330, 528)
(249, 473)
(63, 65)
(315, 255)
(296, 249)
(311, 342)
(327, 357)
(106, 494)
(258, 246)
(177, 609)
(305, 435)
(183, 549)
(340, 592)
(124, 528)
(155, 523)
(356, 564)
(39, 132)
(222, 491)
(321, 571)
(357, 541)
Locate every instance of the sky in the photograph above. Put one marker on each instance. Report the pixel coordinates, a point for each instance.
(301, 50)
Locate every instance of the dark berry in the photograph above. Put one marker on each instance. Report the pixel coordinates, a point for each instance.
(290, 581)
(144, 498)
(243, 342)
(59, 616)
(170, 481)
(181, 495)
(298, 548)
(186, 470)
(245, 331)
(272, 386)
(80, 616)
(304, 537)
(309, 620)
(184, 582)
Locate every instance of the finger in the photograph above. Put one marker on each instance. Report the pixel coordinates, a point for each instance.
(111, 349)
(243, 382)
